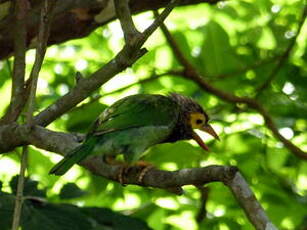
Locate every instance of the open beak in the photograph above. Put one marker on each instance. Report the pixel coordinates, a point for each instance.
(208, 129)
(200, 141)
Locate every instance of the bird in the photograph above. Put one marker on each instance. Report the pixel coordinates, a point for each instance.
(136, 122)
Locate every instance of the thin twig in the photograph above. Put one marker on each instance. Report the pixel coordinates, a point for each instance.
(244, 69)
(190, 72)
(202, 212)
(140, 82)
(43, 34)
(284, 57)
(19, 192)
(123, 13)
(160, 18)
(153, 77)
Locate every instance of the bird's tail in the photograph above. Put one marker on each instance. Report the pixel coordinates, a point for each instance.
(73, 157)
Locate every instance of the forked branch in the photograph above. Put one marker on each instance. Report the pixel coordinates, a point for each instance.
(190, 72)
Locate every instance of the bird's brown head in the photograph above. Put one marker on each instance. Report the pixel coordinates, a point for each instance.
(193, 117)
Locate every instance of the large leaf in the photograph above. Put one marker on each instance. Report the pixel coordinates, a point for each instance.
(30, 187)
(70, 191)
(217, 55)
(37, 215)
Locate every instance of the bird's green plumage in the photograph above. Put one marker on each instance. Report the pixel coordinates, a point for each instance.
(128, 127)
(73, 157)
(138, 111)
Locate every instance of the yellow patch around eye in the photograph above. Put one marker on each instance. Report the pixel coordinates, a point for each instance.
(193, 120)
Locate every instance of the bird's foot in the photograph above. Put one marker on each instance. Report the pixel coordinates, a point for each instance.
(141, 166)
(124, 168)
(144, 172)
(146, 166)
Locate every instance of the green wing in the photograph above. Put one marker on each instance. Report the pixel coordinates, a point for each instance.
(139, 110)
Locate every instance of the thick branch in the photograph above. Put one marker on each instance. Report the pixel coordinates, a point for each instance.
(18, 78)
(74, 19)
(13, 135)
(190, 72)
(21, 7)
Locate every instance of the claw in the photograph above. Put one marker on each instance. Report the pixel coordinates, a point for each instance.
(122, 171)
(124, 168)
(143, 173)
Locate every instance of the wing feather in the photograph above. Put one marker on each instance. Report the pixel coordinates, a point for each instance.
(137, 111)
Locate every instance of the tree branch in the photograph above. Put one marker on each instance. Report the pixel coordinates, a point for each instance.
(43, 34)
(63, 143)
(140, 82)
(123, 13)
(249, 203)
(245, 69)
(40, 52)
(20, 47)
(190, 72)
(126, 57)
(19, 192)
(69, 23)
(202, 212)
(284, 57)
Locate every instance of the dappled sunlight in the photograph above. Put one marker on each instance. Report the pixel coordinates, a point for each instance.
(81, 64)
(184, 220)
(288, 88)
(286, 132)
(168, 203)
(242, 69)
(170, 166)
(5, 96)
(130, 201)
(8, 169)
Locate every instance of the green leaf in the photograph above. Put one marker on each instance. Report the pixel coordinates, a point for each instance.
(30, 187)
(6, 210)
(116, 221)
(70, 191)
(217, 55)
(37, 215)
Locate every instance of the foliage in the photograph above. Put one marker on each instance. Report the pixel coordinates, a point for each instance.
(39, 214)
(234, 44)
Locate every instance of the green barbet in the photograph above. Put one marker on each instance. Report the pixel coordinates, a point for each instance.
(134, 123)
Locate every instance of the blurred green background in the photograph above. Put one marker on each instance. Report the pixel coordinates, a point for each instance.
(235, 45)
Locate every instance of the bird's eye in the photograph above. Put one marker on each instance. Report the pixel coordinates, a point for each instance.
(198, 121)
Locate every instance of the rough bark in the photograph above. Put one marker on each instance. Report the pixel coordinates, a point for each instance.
(73, 19)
